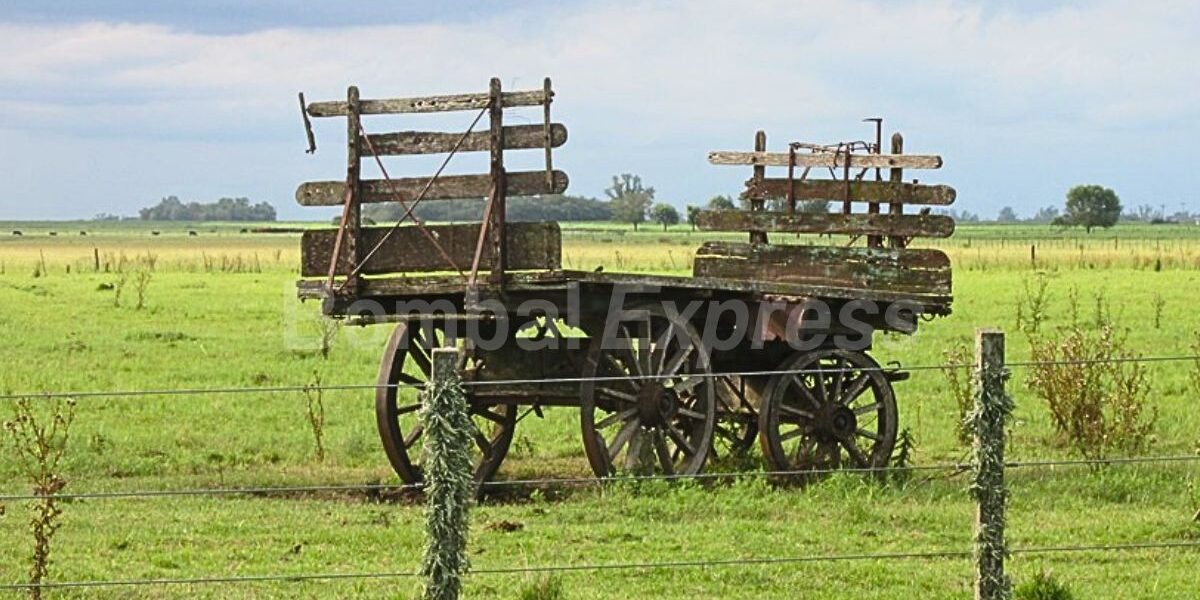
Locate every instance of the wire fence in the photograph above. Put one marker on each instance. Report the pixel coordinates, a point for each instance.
(560, 482)
(378, 489)
(892, 368)
(618, 566)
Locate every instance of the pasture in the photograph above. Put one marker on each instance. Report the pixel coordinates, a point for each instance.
(218, 310)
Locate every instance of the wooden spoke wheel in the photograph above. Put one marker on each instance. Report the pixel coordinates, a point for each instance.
(405, 368)
(840, 412)
(737, 419)
(653, 409)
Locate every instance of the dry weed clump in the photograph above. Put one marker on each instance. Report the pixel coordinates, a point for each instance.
(1097, 393)
(315, 405)
(39, 440)
(961, 385)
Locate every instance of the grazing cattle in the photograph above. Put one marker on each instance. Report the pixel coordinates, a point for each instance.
(192, 234)
(18, 233)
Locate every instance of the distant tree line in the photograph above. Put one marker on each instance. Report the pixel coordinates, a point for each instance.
(553, 207)
(172, 208)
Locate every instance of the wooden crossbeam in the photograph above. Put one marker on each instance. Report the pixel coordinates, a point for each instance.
(827, 159)
(860, 191)
(854, 224)
(516, 137)
(447, 187)
(426, 104)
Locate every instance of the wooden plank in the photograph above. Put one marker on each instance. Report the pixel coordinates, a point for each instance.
(516, 137)
(854, 224)
(896, 175)
(912, 271)
(827, 159)
(447, 187)
(426, 104)
(529, 246)
(860, 191)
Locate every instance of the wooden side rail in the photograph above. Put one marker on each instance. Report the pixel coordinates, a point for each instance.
(907, 226)
(833, 160)
(921, 272)
(447, 187)
(516, 137)
(530, 246)
(428, 104)
(857, 191)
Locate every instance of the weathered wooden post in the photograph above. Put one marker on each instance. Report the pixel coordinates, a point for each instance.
(448, 477)
(987, 420)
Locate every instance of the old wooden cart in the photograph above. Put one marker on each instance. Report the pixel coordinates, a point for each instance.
(764, 340)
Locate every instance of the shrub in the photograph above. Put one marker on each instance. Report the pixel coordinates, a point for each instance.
(39, 440)
(1096, 391)
(1043, 586)
(1032, 304)
(961, 385)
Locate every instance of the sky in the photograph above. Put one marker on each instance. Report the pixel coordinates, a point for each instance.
(106, 106)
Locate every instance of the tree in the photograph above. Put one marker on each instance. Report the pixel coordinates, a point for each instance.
(692, 213)
(1007, 215)
(721, 203)
(629, 199)
(224, 209)
(1046, 214)
(813, 207)
(664, 214)
(1091, 206)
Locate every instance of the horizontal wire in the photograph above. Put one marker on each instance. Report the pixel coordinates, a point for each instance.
(1092, 361)
(203, 391)
(934, 554)
(760, 373)
(610, 481)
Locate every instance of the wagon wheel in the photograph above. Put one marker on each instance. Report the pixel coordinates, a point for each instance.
(840, 412)
(406, 366)
(657, 415)
(737, 420)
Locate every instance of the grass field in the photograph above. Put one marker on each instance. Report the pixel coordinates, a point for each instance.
(220, 310)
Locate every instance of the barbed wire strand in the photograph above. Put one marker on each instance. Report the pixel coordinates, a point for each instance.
(612, 481)
(758, 373)
(299, 577)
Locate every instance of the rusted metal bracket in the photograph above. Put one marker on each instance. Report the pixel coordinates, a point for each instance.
(791, 191)
(308, 130)
(351, 175)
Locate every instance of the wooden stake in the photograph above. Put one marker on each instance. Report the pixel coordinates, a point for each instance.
(760, 173)
(987, 421)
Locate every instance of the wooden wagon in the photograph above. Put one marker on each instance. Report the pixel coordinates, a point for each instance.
(764, 340)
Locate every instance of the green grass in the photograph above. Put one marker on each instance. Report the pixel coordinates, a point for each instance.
(205, 326)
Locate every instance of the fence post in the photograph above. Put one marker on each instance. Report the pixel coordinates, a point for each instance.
(447, 475)
(987, 420)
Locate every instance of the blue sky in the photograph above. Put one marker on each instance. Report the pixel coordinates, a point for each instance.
(108, 106)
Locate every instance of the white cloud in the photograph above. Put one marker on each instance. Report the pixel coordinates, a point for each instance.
(640, 80)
